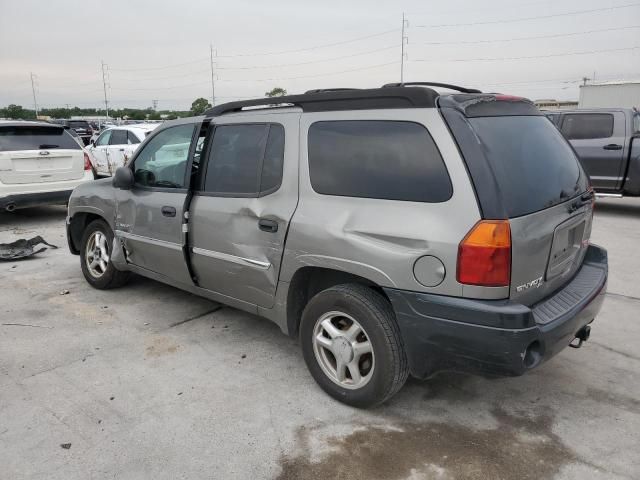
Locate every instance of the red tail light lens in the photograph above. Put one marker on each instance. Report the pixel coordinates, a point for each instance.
(87, 162)
(484, 255)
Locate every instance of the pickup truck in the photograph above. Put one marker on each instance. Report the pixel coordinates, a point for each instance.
(607, 140)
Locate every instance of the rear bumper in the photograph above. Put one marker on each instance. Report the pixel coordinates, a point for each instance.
(497, 337)
(25, 200)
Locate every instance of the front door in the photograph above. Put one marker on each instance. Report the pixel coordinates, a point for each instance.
(150, 215)
(100, 151)
(240, 215)
(599, 139)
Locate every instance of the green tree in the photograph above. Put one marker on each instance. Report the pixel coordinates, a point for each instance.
(276, 92)
(18, 113)
(199, 105)
(154, 116)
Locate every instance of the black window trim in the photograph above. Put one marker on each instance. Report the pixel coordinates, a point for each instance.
(194, 139)
(426, 129)
(566, 115)
(205, 154)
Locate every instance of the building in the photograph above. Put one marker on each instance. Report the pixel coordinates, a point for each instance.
(551, 104)
(624, 94)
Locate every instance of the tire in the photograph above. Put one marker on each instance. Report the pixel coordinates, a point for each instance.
(363, 307)
(104, 275)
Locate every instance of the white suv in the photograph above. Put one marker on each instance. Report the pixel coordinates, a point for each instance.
(115, 146)
(40, 164)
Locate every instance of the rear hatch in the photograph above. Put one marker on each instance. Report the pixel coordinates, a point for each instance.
(38, 154)
(525, 171)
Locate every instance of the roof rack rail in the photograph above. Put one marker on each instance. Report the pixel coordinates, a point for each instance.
(320, 90)
(335, 100)
(433, 84)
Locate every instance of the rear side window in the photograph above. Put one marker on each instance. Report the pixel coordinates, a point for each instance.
(534, 166)
(389, 160)
(118, 137)
(584, 126)
(35, 138)
(245, 160)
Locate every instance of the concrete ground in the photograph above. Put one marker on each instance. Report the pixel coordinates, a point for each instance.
(150, 382)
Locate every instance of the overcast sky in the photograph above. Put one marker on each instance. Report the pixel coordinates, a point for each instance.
(159, 49)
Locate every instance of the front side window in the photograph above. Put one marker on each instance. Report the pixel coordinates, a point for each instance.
(103, 139)
(163, 161)
(586, 126)
(118, 137)
(389, 160)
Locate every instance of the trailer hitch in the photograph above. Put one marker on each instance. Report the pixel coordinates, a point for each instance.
(582, 336)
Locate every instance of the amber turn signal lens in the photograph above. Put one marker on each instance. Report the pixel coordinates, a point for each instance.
(484, 255)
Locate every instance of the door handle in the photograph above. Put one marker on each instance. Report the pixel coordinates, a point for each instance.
(266, 225)
(612, 146)
(122, 149)
(168, 211)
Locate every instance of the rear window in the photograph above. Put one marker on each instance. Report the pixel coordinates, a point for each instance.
(389, 160)
(35, 138)
(534, 166)
(79, 124)
(584, 126)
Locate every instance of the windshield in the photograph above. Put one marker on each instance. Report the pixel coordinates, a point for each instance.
(534, 166)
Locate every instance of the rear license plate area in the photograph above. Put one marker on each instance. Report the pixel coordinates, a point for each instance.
(566, 246)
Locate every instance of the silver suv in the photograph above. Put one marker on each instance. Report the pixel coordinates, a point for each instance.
(394, 230)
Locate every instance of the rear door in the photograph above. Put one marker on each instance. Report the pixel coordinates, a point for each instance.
(38, 154)
(149, 217)
(240, 215)
(599, 140)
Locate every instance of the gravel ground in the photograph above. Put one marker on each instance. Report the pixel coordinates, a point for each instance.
(151, 382)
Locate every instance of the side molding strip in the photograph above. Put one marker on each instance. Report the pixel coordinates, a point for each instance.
(247, 262)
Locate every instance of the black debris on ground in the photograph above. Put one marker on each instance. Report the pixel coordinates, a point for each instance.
(66, 446)
(22, 248)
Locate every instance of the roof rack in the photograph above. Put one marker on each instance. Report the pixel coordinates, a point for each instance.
(319, 90)
(339, 99)
(433, 84)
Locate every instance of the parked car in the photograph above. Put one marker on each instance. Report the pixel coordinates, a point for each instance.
(40, 164)
(607, 141)
(82, 128)
(114, 146)
(394, 230)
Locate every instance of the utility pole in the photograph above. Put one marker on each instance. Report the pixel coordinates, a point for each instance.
(584, 80)
(213, 86)
(405, 40)
(105, 69)
(33, 89)
(155, 104)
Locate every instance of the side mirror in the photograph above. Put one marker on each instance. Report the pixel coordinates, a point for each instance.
(123, 178)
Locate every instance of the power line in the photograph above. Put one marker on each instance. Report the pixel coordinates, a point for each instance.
(528, 57)
(282, 65)
(201, 60)
(524, 19)
(532, 38)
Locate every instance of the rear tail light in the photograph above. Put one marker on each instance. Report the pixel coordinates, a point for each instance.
(87, 162)
(484, 255)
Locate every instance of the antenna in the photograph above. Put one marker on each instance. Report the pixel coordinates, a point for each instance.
(405, 41)
(33, 89)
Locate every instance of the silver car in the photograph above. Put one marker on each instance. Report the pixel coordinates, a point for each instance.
(394, 230)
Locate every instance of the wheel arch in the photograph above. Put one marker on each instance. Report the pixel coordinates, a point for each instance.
(77, 225)
(310, 280)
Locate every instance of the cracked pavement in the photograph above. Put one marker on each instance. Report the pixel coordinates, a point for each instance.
(148, 381)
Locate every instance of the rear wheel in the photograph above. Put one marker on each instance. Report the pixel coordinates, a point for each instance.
(95, 257)
(352, 346)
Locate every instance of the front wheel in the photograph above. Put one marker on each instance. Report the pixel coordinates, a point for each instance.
(352, 346)
(95, 257)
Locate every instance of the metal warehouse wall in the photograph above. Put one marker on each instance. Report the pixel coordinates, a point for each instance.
(613, 95)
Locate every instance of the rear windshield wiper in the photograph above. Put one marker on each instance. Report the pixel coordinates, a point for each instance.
(48, 145)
